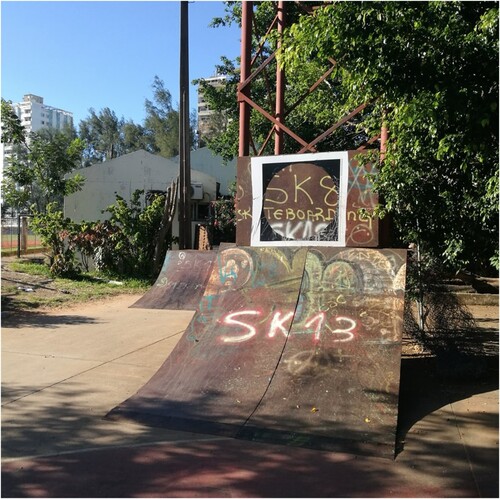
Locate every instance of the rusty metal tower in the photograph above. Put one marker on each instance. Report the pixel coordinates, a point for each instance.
(249, 70)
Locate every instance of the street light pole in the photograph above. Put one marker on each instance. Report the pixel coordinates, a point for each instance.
(184, 135)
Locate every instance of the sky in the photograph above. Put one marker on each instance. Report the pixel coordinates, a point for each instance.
(97, 54)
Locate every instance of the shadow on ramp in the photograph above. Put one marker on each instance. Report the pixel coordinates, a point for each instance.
(300, 346)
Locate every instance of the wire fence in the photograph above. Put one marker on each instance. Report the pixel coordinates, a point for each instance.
(17, 236)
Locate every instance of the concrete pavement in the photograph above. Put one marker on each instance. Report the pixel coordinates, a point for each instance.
(62, 372)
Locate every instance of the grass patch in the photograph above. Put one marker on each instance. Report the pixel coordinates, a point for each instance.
(31, 268)
(28, 285)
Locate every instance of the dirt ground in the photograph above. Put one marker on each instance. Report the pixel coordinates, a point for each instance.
(18, 287)
(15, 284)
(21, 281)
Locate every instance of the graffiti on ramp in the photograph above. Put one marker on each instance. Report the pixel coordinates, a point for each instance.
(292, 345)
(181, 282)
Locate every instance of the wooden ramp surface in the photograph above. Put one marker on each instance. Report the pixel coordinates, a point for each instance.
(300, 346)
(181, 282)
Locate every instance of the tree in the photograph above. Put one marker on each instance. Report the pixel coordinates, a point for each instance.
(107, 136)
(103, 135)
(34, 172)
(429, 71)
(162, 121)
(432, 70)
(136, 137)
(13, 132)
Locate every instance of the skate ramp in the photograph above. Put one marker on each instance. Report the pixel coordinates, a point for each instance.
(181, 282)
(292, 345)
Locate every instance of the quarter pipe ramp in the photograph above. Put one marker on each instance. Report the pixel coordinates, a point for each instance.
(292, 345)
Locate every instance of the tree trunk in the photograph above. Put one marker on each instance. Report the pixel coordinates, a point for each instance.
(166, 223)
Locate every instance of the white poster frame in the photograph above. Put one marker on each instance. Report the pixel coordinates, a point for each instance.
(256, 170)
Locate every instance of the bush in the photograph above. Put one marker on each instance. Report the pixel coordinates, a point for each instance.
(57, 234)
(222, 221)
(123, 245)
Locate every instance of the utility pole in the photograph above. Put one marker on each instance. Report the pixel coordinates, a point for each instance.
(184, 136)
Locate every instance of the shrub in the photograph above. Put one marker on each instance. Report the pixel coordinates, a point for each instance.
(57, 234)
(124, 244)
(222, 221)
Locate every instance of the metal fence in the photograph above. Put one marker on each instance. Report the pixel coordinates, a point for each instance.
(17, 235)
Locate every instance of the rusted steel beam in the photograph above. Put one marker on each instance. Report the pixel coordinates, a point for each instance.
(246, 45)
(280, 85)
(255, 73)
(311, 89)
(299, 101)
(261, 46)
(369, 142)
(271, 118)
(252, 143)
(266, 141)
(247, 76)
(384, 135)
(333, 128)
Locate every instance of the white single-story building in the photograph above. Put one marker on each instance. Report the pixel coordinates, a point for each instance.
(204, 160)
(126, 174)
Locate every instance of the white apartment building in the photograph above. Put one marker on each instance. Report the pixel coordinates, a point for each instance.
(34, 114)
(204, 111)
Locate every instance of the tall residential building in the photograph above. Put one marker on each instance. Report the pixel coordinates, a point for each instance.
(34, 114)
(204, 111)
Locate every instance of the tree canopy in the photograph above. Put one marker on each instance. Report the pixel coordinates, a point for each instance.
(432, 70)
(103, 135)
(35, 169)
(429, 71)
(162, 121)
(107, 136)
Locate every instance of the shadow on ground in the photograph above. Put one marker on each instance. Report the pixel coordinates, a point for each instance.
(23, 319)
(423, 389)
(225, 469)
(190, 466)
(218, 467)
